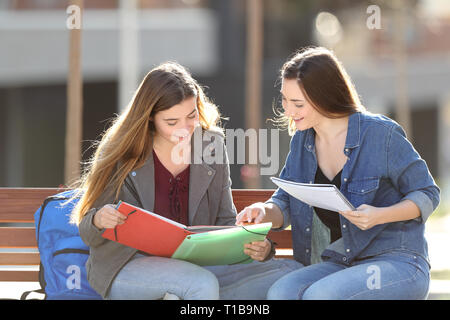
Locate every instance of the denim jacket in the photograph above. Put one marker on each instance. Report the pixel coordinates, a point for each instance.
(383, 168)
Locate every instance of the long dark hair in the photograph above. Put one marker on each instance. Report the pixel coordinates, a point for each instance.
(324, 83)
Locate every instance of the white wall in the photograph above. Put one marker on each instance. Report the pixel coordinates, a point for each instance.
(34, 44)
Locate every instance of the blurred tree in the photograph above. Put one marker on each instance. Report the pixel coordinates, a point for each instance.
(74, 116)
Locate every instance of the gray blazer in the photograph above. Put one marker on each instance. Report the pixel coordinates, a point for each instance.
(210, 203)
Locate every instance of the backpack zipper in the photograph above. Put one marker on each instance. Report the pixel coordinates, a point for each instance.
(63, 251)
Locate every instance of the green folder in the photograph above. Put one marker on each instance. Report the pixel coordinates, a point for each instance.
(221, 247)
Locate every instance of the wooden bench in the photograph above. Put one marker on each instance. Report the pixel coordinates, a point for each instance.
(19, 258)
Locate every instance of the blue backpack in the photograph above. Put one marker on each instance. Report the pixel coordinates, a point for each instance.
(62, 272)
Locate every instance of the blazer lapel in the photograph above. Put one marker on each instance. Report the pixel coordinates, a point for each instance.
(144, 181)
(200, 177)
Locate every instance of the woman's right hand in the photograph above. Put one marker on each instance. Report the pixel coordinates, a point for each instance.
(108, 217)
(254, 213)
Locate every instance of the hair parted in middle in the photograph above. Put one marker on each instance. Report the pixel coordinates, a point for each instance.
(127, 143)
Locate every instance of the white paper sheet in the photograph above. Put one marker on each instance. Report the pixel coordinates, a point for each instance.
(325, 196)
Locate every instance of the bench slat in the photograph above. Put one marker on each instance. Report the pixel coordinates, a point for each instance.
(11, 237)
(20, 204)
(245, 197)
(19, 258)
(19, 275)
(282, 238)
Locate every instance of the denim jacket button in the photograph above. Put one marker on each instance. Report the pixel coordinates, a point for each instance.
(344, 259)
(307, 250)
(345, 179)
(133, 174)
(347, 250)
(307, 229)
(344, 226)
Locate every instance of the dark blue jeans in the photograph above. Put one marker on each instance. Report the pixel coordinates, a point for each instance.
(397, 275)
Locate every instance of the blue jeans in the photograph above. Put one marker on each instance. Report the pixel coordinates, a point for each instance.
(397, 275)
(150, 278)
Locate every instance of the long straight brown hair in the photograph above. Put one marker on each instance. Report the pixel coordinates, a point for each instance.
(324, 83)
(127, 143)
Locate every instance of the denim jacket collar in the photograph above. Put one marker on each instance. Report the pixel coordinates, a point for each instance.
(353, 133)
(309, 140)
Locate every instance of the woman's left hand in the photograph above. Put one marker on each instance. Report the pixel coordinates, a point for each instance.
(365, 216)
(258, 250)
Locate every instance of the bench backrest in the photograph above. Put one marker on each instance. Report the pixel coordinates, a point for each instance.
(19, 258)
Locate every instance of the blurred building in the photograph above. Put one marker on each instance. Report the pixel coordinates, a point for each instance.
(209, 38)
(369, 56)
(34, 60)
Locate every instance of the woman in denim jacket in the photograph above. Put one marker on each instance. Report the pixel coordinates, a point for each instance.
(378, 251)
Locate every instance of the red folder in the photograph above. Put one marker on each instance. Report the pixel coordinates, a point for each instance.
(147, 231)
(202, 245)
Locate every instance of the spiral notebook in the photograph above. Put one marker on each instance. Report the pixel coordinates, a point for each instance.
(325, 196)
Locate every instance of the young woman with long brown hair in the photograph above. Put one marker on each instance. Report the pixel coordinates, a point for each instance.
(136, 161)
(379, 250)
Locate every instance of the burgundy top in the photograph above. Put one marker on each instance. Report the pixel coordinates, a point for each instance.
(171, 193)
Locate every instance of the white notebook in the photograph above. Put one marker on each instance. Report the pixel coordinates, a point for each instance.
(325, 196)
